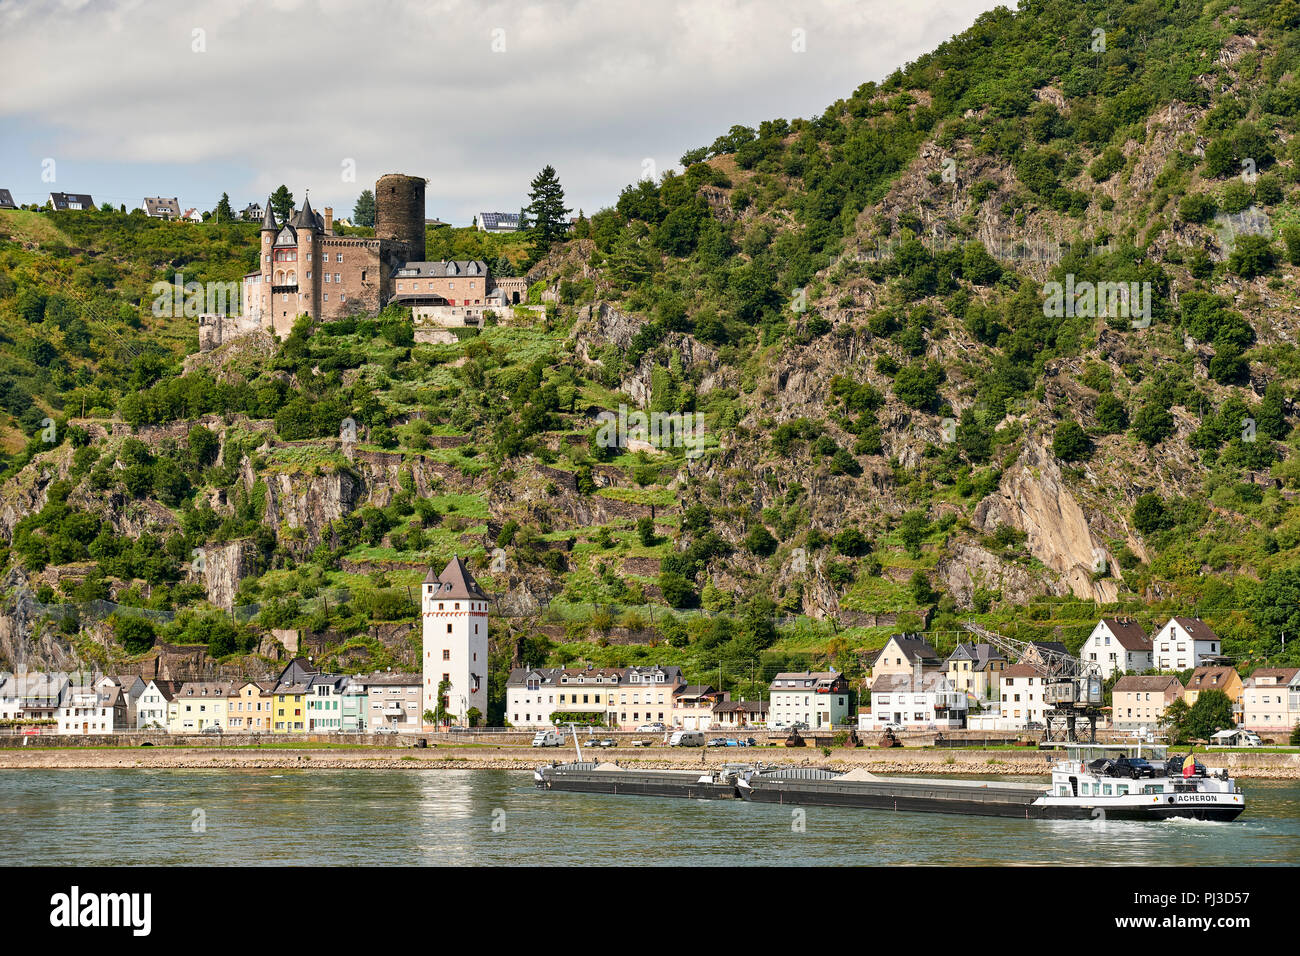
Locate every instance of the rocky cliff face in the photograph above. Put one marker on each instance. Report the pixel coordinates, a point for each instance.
(1033, 498)
(223, 566)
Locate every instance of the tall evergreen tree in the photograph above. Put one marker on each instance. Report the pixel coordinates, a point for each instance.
(282, 203)
(223, 212)
(363, 213)
(547, 211)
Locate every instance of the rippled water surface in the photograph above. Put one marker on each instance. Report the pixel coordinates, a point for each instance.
(496, 817)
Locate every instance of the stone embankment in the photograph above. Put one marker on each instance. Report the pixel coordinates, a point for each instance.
(463, 757)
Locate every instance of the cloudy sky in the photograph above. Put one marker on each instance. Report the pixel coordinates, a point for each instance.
(123, 98)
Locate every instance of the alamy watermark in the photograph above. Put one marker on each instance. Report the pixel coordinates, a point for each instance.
(1125, 300)
(180, 298)
(655, 430)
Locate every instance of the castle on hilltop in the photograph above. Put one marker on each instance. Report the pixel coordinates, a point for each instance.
(307, 269)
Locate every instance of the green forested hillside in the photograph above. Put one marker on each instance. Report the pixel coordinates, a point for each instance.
(900, 430)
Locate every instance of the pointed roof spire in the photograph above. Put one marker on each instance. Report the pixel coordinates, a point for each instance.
(306, 219)
(268, 220)
(456, 582)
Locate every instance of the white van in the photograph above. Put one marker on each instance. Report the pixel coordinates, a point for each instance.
(547, 738)
(686, 738)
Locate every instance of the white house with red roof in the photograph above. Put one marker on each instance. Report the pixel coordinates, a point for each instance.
(1185, 643)
(454, 612)
(1118, 644)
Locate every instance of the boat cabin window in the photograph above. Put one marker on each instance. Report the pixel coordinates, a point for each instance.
(1106, 789)
(1065, 791)
(1122, 790)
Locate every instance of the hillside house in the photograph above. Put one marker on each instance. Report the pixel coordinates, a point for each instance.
(65, 201)
(901, 653)
(160, 207)
(1184, 643)
(1118, 644)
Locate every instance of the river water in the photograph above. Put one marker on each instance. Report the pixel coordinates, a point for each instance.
(496, 817)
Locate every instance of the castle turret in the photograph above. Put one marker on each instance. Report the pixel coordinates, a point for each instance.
(304, 224)
(399, 212)
(263, 294)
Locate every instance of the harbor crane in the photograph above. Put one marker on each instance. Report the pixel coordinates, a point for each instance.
(1072, 688)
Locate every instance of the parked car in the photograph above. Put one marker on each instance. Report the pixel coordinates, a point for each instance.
(1134, 767)
(717, 742)
(1251, 739)
(655, 728)
(892, 725)
(641, 743)
(799, 725)
(547, 738)
(749, 742)
(211, 729)
(609, 742)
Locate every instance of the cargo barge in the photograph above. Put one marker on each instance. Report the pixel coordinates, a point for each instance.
(590, 777)
(1088, 783)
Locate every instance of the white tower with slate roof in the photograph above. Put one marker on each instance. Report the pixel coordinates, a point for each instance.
(454, 610)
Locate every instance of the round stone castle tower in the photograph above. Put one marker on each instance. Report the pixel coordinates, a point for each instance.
(399, 212)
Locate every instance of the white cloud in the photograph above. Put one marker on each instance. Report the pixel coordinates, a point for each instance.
(284, 92)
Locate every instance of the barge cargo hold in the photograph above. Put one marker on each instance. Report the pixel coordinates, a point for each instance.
(590, 777)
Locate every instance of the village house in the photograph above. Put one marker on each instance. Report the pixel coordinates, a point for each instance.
(1271, 700)
(975, 670)
(645, 695)
(613, 696)
(923, 700)
(6, 200)
(1042, 652)
(248, 709)
(899, 655)
(87, 710)
(62, 201)
(498, 221)
(324, 703)
(394, 702)
(151, 710)
(1022, 704)
(130, 688)
(253, 212)
(9, 706)
(354, 701)
(1118, 644)
(160, 207)
(816, 699)
(739, 714)
(289, 701)
(40, 695)
(1184, 643)
(693, 706)
(1137, 702)
(1217, 677)
(199, 705)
